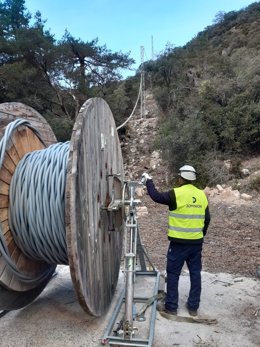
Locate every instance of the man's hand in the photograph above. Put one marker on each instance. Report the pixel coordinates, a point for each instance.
(145, 177)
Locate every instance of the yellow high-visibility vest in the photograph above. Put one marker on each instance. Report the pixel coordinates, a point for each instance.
(187, 220)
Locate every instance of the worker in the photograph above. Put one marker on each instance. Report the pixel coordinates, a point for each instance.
(188, 221)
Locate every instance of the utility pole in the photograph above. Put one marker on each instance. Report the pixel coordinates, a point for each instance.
(142, 96)
(152, 51)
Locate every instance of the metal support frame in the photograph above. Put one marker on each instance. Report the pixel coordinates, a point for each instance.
(123, 335)
(111, 337)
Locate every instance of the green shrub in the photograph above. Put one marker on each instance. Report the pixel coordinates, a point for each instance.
(62, 128)
(255, 183)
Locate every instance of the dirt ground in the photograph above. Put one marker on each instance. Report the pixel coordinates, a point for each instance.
(55, 318)
(232, 242)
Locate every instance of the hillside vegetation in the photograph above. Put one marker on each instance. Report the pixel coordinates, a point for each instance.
(208, 91)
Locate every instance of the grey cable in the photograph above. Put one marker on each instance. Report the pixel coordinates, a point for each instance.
(37, 205)
(14, 269)
(133, 111)
(4, 252)
(11, 127)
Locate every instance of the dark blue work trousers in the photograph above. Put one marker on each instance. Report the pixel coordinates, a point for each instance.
(177, 254)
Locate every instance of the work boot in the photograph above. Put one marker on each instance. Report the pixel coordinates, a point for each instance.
(173, 313)
(160, 306)
(192, 312)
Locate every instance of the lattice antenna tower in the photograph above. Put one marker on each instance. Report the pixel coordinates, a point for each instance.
(142, 96)
(152, 49)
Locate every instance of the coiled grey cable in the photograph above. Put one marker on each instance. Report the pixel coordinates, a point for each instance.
(37, 205)
(38, 185)
(8, 133)
(12, 266)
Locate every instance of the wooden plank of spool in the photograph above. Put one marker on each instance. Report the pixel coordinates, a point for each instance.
(9, 164)
(7, 275)
(4, 188)
(3, 214)
(4, 201)
(94, 240)
(10, 111)
(22, 141)
(10, 242)
(5, 227)
(11, 246)
(5, 175)
(12, 152)
(23, 265)
(19, 142)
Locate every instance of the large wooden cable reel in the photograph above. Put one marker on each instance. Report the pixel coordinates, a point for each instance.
(10, 111)
(93, 233)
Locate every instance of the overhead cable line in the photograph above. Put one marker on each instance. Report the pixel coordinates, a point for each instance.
(141, 93)
(132, 113)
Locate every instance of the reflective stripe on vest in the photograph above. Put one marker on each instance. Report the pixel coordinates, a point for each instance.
(187, 220)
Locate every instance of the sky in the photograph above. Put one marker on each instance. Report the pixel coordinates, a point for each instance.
(126, 25)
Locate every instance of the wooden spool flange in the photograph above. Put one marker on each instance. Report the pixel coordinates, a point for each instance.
(10, 111)
(13, 293)
(94, 235)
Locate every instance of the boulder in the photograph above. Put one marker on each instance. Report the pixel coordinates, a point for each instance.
(229, 194)
(219, 188)
(245, 172)
(139, 192)
(246, 197)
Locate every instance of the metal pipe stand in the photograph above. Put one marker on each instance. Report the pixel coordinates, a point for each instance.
(133, 320)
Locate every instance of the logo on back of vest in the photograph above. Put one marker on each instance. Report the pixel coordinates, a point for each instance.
(194, 199)
(191, 205)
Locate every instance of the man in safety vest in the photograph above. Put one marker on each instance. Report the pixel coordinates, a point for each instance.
(188, 221)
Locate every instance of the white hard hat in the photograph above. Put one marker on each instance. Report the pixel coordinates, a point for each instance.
(187, 172)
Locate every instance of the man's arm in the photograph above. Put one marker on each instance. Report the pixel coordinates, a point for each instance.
(165, 198)
(207, 221)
